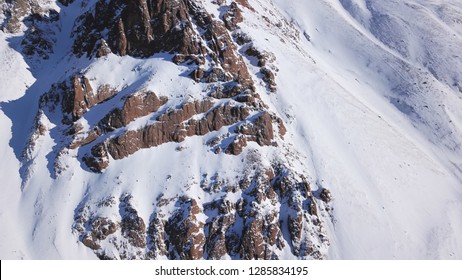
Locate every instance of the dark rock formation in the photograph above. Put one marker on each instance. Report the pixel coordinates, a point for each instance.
(80, 97)
(145, 27)
(268, 78)
(326, 196)
(132, 226)
(171, 127)
(266, 210)
(240, 229)
(135, 106)
(232, 17)
(246, 4)
(186, 238)
(263, 58)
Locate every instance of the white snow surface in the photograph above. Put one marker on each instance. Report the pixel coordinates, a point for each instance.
(371, 95)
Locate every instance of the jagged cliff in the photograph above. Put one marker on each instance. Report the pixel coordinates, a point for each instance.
(264, 209)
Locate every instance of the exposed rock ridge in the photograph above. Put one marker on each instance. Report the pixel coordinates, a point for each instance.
(264, 212)
(239, 230)
(146, 27)
(198, 117)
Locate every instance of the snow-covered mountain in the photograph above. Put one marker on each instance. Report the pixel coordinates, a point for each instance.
(217, 129)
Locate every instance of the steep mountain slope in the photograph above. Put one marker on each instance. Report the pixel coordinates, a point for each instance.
(220, 129)
(386, 123)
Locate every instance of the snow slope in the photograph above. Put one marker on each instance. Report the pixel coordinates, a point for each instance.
(371, 95)
(381, 123)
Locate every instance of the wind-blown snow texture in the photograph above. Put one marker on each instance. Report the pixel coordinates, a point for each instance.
(370, 93)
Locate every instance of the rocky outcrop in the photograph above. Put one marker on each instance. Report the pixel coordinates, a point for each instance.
(260, 131)
(96, 230)
(171, 127)
(80, 97)
(101, 229)
(246, 4)
(77, 97)
(132, 226)
(102, 49)
(99, 159)
(145, 27)
(269, 78)
(135, 106)
(185, 232)
(15, 11)
(237, 229)
(266, 210)
(37, 24)
(232, 17)
(325, 195)
(264, 58)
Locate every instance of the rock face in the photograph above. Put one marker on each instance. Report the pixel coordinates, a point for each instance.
(265, 210)
(185, 232)
(36, 20)
(146, 27)
(240, 230)
(76, 97)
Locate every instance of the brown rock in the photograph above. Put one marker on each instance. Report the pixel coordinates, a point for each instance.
(236, 147)
(260, 131)
(217, 74)
(156, 234)
(185, 232)
(312, 208)
(216, 240)
(81, 88)
(143, 28)
(197, 74)
(246, 4)
(239, 230)
(102, 228)
(295, 228)
(90, 136)
(88, 241)
(253, 244)
(262, 56)
(16, 12)
(135, 106)
(232, 17)
(98, 160)
(268, 78)
(241, 38)
(169, 128)
(103, 49)
(326, 196)
(225, 53)
(219, 2)
(281, 127)
(80, 97)
(132, 226)
(121, 39)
